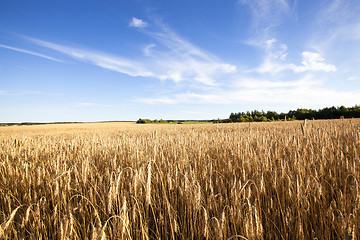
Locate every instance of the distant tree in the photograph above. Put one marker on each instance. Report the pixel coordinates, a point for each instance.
(233, 117)
(241, 119)
(282, 116)
(272, 115)
(263, 119)
(143, 121)
(227, 120)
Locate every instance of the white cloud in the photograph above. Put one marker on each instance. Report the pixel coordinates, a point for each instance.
(177, 45)
(183, 61)
(189, 97)
(272, 67)
(147, 49)
(300, 93)
(251, 83)
(353, 78)
(176, 59)
(275, 60)
(267, 13)
(137, 23)
(26, 93)
(274, 50)
(91, 104)
(344, 21)
(103, 60)
(86, 104)
(339, 11)
(275, 56)
(313, 62)
(30, 52)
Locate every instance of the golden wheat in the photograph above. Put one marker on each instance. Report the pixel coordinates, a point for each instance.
(278, 180)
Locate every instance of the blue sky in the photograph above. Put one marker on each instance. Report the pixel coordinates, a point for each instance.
(175, 59)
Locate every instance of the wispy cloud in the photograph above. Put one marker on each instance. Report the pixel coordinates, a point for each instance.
(171, 57)
(103, 60)
(183, 61)
(179, 61)
(353, 78)
(18, 93)
(275, 50)
(147, 49)
(30, 52)
(275, 60)
(301, 93)
(90, 104)
(313, 62)
(168, 38)
(275, 56)
(344, 21)
(137, 23)
(251, 83)
(339, 12)
(267, 13)
(188, 97)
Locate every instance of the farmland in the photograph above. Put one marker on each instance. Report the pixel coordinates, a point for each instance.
(274, 180)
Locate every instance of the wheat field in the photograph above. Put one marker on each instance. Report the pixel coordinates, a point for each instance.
(276, 180)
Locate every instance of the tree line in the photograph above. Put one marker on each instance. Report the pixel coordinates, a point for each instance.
(299, 114)
(141, 120)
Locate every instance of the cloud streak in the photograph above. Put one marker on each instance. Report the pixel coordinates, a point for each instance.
(171, 57)
(30, 53)
(344, 21)
(91, 104)
(103, 60)
(267, 13)
(183, 61)
(301, 93)
(26, 92)
(179, 61)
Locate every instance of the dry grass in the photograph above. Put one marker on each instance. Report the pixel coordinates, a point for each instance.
(280, 180)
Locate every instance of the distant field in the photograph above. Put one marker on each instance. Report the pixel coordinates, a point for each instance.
(274, 180)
